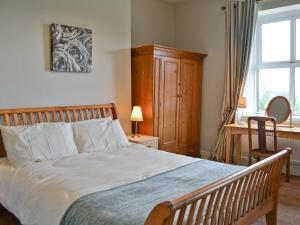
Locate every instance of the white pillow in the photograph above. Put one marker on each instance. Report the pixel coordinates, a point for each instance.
(39, 142)
(115, 136)
(99, 135)
(89, 134)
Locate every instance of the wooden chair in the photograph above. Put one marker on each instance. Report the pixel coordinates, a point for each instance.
(262, 133)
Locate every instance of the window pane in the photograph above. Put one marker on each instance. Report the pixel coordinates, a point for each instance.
(298, 39)
(297, 91)
(276, 41)
(272, 82)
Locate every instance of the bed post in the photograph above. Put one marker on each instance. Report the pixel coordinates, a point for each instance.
(271, 217)
(114, 111)
(160, 214)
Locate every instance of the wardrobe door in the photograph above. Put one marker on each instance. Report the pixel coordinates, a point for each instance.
(169, 103)
(189, 106)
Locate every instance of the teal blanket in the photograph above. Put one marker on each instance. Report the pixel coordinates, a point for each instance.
(130, 204)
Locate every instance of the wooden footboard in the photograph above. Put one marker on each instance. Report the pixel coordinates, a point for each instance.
(239, 199)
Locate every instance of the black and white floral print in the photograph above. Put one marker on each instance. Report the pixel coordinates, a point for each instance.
(71, 49)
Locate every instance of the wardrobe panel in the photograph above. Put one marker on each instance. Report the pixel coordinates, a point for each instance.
(187, 84)
(156, 86)
(142, 90)
(169, 105)
(196, 115)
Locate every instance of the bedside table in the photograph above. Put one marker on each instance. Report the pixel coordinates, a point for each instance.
(148, 141)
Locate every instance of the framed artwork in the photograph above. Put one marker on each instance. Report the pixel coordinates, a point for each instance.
(71, 49)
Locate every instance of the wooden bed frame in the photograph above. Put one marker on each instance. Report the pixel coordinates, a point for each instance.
(239, 199)
(27, 116)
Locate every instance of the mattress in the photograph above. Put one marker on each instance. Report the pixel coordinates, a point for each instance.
(42, 193)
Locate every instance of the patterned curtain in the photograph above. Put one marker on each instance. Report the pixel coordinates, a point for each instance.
(241, 17)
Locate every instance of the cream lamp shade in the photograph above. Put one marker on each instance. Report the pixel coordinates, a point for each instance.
(242, 103)
(136, 114)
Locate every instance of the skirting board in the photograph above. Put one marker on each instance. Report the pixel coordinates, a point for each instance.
(295, 164)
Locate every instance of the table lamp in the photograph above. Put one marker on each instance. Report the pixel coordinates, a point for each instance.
(136, 116)
(242, 105)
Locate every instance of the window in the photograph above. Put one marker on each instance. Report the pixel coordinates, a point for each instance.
(276, 59)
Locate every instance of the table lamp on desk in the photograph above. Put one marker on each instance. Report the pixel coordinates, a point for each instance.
(136, 116)
(242, 105)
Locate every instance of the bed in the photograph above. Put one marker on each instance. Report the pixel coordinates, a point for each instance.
(135, 186)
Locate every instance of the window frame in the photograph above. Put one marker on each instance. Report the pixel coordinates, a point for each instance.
(291, 64)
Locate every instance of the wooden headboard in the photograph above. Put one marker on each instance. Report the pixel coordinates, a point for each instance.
(27, 116)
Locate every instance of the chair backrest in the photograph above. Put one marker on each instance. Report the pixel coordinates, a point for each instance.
(262, 131)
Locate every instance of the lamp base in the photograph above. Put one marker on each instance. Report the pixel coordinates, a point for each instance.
(135, 136)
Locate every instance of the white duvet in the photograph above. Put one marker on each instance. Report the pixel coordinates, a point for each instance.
(40, 194)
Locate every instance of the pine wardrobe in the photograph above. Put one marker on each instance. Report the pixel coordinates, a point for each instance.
(166, 83)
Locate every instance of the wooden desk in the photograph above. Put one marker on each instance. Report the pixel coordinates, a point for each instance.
(242, 129)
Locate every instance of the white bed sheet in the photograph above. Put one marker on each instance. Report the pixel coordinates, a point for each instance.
(40, 194)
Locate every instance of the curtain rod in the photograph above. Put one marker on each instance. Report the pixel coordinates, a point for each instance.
(224, 7)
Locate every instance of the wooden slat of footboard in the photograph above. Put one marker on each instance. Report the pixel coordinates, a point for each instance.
(191, 213)
(216, 207)
(247, 196)
(259, 189)
(268, 182)
(237, 196)
(200, 210)
(242, 198)
(222, 207)
(228, 208)
(250, 204)
(208, 209)
(181, 215)
(239, 199)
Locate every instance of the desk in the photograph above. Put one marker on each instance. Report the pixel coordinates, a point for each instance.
(242, 129)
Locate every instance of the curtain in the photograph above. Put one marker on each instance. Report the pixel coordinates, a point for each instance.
(241, 17)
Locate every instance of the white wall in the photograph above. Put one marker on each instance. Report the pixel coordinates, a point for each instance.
(153, 22)
(26, 80)
(200, 27)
